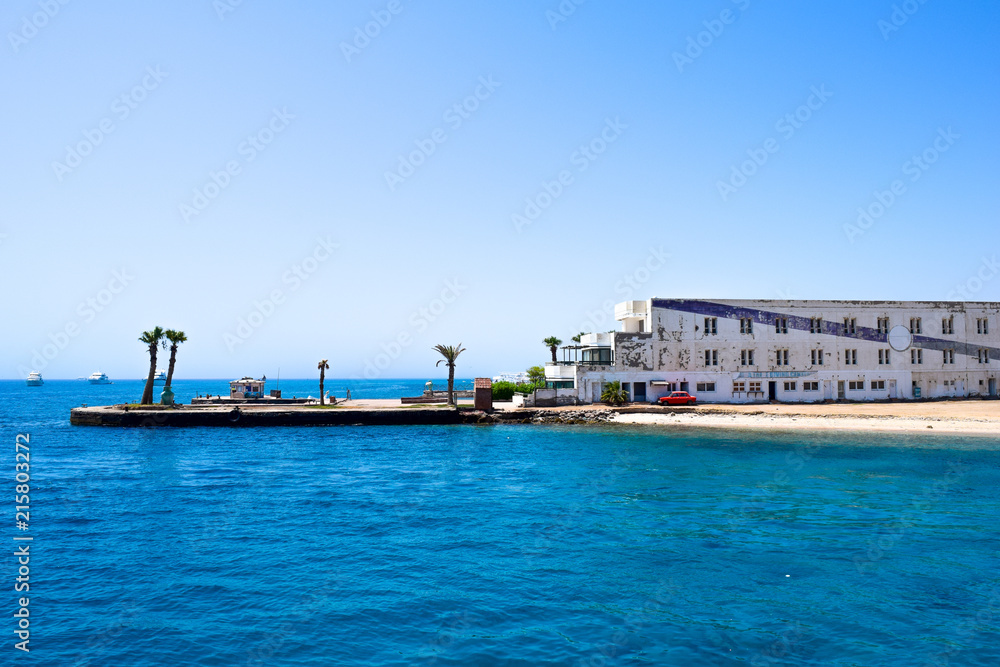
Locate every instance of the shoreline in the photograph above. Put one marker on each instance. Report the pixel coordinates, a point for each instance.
(963, 418)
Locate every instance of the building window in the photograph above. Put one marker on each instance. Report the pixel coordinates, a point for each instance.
(850, 325)
(984, 356)
(948, 325)
(781, 358)
(883, 325)
(755, 386)
(883, 357)
(949, 356)
(817, 357)
(856, 385)
(711, 326)
(789, 386)
(746, 325)
(708, 387)
(711, 357)
(815, 325)
(916, 325)
(781, 325)
(739, 387)
(746, 357)
(878, 385)
(810, 386)
(916, 356)
(850, 357)
(982, 325)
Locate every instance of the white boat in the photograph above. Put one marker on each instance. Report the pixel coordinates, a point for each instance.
(34, 379)
(160, 376)
(97, 377)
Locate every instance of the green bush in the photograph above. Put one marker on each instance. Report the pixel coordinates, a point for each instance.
(504, 391)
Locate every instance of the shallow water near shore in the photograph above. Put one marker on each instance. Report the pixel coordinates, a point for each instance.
(502, 545)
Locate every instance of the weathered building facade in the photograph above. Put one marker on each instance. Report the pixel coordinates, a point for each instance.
(738, 351)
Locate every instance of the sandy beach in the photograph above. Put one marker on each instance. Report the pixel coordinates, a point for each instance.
(962, 417)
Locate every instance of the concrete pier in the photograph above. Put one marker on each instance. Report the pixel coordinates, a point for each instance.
(255, 415)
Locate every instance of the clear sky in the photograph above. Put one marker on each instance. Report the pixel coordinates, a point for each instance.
(285, 188)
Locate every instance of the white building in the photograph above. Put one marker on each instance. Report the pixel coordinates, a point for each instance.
(740, 351)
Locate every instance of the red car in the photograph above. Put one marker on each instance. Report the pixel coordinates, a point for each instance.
(678, 398)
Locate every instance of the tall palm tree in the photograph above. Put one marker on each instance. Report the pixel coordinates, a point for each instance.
(323, 367)
(175, 338)
(552, 343)
(450, 354)
(153, 339)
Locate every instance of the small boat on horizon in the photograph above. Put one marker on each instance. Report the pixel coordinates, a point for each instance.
(34, 379)
(159, 377)
(97, 377)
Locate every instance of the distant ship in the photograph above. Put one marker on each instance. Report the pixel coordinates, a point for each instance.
(98, 377)
(34, 379)
(159, 377)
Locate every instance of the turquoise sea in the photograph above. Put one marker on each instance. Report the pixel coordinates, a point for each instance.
(510, 545)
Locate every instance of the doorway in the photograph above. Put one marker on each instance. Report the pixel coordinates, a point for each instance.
(684, 386)
(993, 387)
(639, 392)
(772, 390)
(892, 389)
(840, 390)
(597, 386)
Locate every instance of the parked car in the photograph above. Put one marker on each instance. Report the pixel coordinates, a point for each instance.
(678, 398)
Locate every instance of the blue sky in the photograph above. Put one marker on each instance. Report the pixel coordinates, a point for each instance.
(284, 190)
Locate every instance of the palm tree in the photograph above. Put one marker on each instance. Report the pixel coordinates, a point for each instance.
(175, 338)
(552, 343)
(613, 393)
(450, 354)
(323, 368)
(576, 338)
(152, 339)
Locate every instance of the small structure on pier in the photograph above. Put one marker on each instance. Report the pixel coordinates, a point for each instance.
(247, 388)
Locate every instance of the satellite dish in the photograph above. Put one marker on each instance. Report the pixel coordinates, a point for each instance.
(900, 338)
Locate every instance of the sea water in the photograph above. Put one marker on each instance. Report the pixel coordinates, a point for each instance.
(504, 545)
